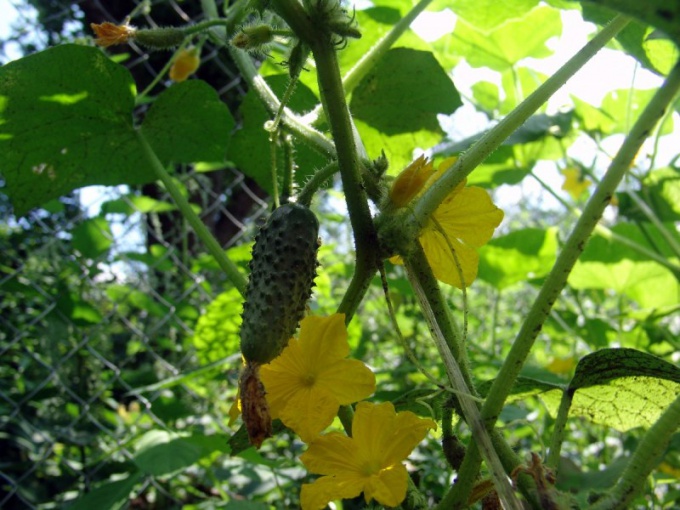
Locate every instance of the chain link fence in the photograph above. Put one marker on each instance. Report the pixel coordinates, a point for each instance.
(101, 292)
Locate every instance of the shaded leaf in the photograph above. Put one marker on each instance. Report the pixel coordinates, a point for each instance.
(160, 453)
(250, 148)
(66, 122)
(188, 123)
(108, 496)
(404, 93)
(92, 237)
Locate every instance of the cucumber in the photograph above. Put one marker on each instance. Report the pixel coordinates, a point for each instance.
(282, 272)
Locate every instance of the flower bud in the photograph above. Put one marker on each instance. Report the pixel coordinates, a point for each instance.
(186, 63)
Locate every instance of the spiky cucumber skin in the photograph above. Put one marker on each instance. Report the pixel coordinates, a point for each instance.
(282, 272)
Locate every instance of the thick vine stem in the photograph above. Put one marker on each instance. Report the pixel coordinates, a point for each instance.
(229, 268)
(573, 247)
(434, 309)
(646, 457)
(369, 59)
(425, 205)
(321, 44)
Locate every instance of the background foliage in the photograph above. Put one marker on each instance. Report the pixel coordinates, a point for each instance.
(119, 335)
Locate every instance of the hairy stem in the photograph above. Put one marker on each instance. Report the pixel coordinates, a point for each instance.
(433, 307)
(573, 247)
(214, 248)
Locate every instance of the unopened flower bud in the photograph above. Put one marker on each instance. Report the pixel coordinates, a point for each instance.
(186, 63)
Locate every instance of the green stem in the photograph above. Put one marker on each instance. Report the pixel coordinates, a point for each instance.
(646, 457)
(559, 430)
(205, 25)
(425, 205)
(367, 62)
(573, 247)
(289, 120)
(652, 217)
(433, 307)
(229, 268)
(610, 234)
(316, 181)
(337, 113)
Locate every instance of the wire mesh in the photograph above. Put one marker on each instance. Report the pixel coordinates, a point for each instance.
(100, 295)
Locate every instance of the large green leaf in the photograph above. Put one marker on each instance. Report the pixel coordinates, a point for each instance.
(510, 42)
(623, 388)
(397, 103)
(251, 149)
(66, 122)
(160, 453)
(108, 496)
(518, 256)
(92, 237)
(660, 191)
(404, 93)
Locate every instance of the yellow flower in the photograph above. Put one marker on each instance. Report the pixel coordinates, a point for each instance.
(464, 221)
(109, 34)
(574, 183)
(311, 379)
(368, 462)
(410, 181)
(186, 63)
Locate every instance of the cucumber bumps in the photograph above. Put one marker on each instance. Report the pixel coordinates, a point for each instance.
(282, 273)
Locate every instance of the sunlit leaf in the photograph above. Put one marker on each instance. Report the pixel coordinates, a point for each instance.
(216, 335)
(487, 14)
(623, 388)
(518, 256)
(507, 44)
(92, 237)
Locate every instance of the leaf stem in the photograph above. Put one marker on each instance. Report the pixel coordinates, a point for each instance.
(559, 430)
(229, 268)
(425, 205)
(436, 314)
(644, 459)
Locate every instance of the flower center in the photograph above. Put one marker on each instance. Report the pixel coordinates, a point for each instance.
(370, 468)
(309, 380)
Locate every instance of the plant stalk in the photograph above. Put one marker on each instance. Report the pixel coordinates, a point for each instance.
(573, 247)
(213, 247)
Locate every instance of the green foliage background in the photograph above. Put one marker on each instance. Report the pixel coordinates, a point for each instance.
(116, 385)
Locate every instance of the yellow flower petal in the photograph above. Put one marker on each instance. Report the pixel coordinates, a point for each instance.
(309, 381)
(388, 487)
(469, 215)
(574, 183)
(324, 339)
(349, 380)
(186, 63)
(317, 495)
(235, 410)
(442, 261)
(309, 411)
(410, 181)
(370, 461)
(332, 454)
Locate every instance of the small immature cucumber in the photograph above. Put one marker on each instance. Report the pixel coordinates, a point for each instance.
(282, 273)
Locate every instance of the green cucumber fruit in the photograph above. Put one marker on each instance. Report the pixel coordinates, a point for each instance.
(282, 273)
